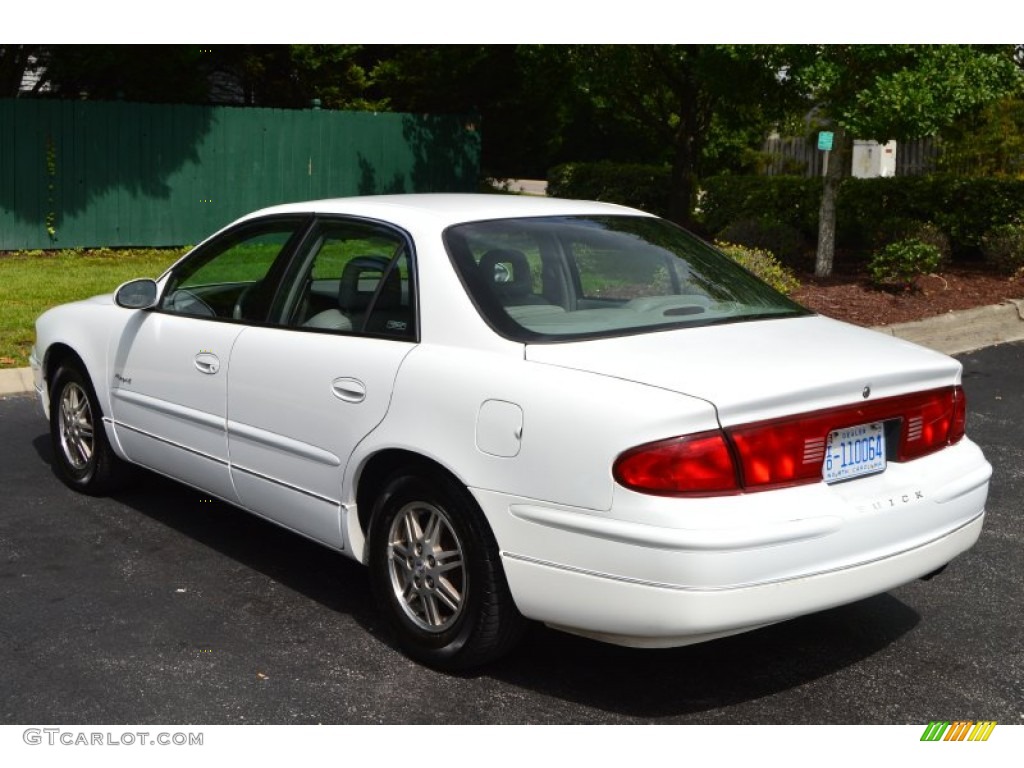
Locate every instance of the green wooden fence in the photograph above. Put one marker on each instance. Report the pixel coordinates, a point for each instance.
(86, 173)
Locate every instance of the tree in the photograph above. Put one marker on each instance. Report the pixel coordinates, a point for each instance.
(15, 62)
(524, 96)
(291, 76)
(678, 93)
(986, 142)
(288, 76)
(891, 92)
(155, 73)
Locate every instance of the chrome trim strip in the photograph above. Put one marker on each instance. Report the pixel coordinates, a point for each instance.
(289, 486)
(732, 587)
(170, 409)
(282, 443)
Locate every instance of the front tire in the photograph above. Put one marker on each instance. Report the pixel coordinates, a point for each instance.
(435, 569)
(83, 457)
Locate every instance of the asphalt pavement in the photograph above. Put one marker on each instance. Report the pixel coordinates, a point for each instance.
(161, 606)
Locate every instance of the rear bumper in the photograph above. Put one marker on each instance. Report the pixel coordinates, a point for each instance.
(659, 572)
(650, 615)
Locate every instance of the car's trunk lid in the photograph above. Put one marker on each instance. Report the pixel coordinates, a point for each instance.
(762, 369)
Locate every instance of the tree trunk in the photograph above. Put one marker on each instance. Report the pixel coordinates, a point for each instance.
(682, 181)
(837, 162)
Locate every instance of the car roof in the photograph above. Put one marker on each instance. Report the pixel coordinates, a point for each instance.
(447, 209)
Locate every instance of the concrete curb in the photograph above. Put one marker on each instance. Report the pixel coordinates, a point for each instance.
(952, 333)
(965, 330)
(15, 381)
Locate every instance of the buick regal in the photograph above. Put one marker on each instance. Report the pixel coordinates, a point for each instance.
(517, 409)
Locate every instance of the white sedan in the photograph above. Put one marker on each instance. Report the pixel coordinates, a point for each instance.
(517, 409)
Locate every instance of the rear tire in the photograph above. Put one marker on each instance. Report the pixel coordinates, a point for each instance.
(83, 458)
(436, 572)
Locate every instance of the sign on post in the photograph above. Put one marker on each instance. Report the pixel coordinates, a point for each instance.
(825, 140)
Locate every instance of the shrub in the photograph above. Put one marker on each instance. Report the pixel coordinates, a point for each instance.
(901, 262)
(789, 200)
(1003, 248)
(779, 238)
(763, 264)
(640, 186)
(895, 229)
(962, 208)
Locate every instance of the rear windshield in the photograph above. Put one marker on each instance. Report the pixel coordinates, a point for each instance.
(566, 278)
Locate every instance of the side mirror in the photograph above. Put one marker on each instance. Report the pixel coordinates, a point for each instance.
(137, 294)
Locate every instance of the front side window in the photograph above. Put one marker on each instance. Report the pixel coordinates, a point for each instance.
(232, 277)
(562, 278)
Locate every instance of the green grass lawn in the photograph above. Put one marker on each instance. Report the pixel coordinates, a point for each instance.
(33, 281)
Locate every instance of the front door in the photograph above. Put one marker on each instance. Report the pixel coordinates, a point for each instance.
(170, 390)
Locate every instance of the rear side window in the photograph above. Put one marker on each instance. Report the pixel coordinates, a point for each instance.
(355, 278)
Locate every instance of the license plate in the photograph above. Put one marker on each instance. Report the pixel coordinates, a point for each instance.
(854, 451)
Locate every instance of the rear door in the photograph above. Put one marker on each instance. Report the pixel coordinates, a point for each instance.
(305, 389)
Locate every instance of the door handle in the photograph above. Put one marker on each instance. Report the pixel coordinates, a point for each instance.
(207, 362)
(349, 390)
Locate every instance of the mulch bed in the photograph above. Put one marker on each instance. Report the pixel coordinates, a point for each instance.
(853, 298)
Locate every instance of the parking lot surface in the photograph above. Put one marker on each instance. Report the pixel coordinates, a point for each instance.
(160, 605)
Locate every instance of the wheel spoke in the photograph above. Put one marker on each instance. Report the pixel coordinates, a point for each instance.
(399, 548)
(412, 528)
(433, 526)
(433, 614)
(409, 592)
(447, 593)
(445, 567)
(82, 450)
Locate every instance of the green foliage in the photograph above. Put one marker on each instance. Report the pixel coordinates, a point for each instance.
(1003, 247)
(51, 188)
(987, 142)
(964, 208)
(961, 209)
(900, 263)
(763, 264)
(901, 91)
(684, 98)
(33, 281)
(789, 200)
(638, 186)
(166, 73)
(895, 229)
(532, 113)
(768, 234)
(893, 92)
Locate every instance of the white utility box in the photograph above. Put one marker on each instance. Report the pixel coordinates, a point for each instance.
(871, 159)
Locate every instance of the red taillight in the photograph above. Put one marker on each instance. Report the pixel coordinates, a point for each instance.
(695, 465)
(933, 420)
(783, 451)
(787, 451)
